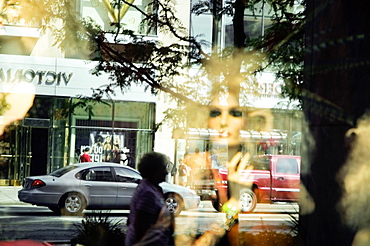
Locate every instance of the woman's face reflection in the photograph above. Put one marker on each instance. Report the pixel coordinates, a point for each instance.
(226, 117)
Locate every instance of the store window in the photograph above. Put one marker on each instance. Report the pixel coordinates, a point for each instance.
(253, 29)
(106, 145)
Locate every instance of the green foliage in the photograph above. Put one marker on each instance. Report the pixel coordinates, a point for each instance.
(4, 106)
(84, 102)
(99, 230)
(280, 49)
(57, 16)
(283, 43)
(294, 223)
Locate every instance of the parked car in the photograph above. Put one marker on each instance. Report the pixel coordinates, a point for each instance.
(71, 189)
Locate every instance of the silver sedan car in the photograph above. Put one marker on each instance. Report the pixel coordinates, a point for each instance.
(92, 185)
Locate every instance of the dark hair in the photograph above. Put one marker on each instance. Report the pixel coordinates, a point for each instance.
(150, 163)
(87, 149)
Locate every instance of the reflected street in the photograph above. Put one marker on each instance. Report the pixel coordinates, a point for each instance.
(39, 223)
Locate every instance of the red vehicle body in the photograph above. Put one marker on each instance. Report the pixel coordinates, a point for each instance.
(273, 178)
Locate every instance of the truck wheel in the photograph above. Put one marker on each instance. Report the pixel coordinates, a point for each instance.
(72, 204)
(216, 204)
(248, 200)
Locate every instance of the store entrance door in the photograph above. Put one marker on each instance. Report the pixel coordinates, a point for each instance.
(35, 146)
(39, 150)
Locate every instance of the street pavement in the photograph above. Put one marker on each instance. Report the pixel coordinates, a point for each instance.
(9, 196)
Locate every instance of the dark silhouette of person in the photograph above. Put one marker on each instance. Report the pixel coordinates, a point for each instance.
(149, 221)
(116, 153)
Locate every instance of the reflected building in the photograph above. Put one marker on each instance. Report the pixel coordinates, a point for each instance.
(283, 133)
(52, 135)
(54, 132)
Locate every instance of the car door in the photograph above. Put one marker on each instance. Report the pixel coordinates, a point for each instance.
(286, 179)
(127, 181)
(99, 184)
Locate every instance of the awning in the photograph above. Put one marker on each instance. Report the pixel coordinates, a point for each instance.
(246, 136)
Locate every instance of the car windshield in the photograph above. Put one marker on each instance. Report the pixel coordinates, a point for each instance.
(60, 172)
(260, 163)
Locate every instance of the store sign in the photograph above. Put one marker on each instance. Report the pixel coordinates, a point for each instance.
(40, 77)
(270, 88)
(61, 77)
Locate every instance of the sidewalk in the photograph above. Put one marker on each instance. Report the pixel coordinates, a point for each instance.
(9, 195)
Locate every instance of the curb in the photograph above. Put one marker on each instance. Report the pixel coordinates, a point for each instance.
(9, 195)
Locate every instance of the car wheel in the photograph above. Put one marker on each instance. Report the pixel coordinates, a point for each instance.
(72, 204)
(248, 200)
(174, 203)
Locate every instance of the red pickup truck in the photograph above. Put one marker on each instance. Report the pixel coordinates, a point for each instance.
(274, 178)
